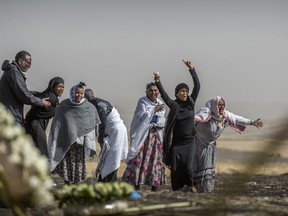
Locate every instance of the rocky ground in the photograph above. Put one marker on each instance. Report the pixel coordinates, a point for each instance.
(234, 195)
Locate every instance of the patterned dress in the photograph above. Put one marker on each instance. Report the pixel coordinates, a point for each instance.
(73, 168)
(145, 157)
(147, 167)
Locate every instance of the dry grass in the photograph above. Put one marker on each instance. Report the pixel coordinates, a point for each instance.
(232, 156)
(239, 152)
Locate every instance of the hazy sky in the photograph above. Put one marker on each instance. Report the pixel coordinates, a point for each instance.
(239, 48)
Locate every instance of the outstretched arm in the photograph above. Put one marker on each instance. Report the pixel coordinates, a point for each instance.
(196, 88)
(239, 123)
(22, 93)
(257, 123)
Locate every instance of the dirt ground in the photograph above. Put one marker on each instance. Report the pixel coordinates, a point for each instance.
(258, 195)
(262, 190)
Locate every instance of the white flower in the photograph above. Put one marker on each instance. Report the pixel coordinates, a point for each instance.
(41, 165)
(14, 159)
(3, 148)
(24, 168)
(5, 116)
(10, 132)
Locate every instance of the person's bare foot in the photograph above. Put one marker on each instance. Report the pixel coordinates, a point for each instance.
(193, 189)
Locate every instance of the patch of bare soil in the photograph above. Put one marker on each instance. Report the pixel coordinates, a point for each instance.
(259, 195)
(256, 195)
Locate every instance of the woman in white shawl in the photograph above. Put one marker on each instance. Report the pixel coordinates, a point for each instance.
(72, 134)
(211, 121)
(145, 157)
(112, 138)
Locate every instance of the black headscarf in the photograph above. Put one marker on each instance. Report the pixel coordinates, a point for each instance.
(41, 112)
(181, 86)
(54, 82)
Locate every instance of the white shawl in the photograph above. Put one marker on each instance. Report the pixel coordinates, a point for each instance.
(211, 110)
(115, 146)
(140, 124)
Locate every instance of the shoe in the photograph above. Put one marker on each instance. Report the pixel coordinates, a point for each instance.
(154, 188)
(137, 187)
(67, 182)
(185, 188)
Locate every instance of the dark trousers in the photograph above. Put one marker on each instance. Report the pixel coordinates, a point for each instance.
(182, 166)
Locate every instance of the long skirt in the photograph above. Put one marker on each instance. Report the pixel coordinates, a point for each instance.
(37, 129)
(204, 166)
(147, 167)
(72, 168)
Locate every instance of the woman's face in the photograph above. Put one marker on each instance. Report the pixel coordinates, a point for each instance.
(59, 89)
(221, 106)
(152, 93)
(182, 94)
(79, 95)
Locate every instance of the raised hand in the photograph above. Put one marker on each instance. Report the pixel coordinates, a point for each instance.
(157, 77)
(188, 64)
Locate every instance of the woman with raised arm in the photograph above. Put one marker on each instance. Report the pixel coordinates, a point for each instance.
(145, 157)
(179, 138)
(211, 120)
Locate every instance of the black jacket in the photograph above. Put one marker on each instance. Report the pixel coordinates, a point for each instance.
(37, 112)
(172, 116)
(13, 91)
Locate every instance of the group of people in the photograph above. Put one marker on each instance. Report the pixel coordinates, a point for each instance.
(183, 141)
(78, 123)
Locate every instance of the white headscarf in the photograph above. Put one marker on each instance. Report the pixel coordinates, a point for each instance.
(213, 106)
(72, 91)
(211, 110)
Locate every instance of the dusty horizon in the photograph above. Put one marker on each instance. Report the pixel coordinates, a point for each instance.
(239, 49)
